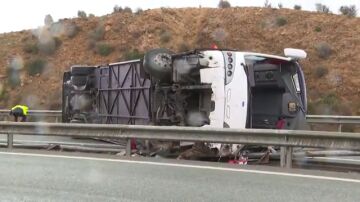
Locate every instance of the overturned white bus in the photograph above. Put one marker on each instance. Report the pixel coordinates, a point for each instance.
(220, 88)
(202, 88)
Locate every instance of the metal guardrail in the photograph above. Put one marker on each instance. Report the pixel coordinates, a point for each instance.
(329, 119)
(333, 119)
(56, 114)
(285, 138)
(312, 119)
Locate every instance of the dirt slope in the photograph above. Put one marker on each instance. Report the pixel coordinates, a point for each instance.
(333, 80)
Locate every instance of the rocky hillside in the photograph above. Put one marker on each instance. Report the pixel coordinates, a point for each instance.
(32, 61)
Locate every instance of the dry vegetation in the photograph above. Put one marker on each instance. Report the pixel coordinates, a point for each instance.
(332, 42)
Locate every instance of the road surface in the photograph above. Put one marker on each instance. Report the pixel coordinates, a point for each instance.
(50, 177)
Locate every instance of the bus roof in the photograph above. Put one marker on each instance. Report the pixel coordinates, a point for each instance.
(267, 56)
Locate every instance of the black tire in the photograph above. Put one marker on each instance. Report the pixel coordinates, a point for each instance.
(79, 80)
(158, 63)
(82, 71)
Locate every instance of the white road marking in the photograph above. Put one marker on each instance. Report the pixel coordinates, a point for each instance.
(187, 166)
(336, 159)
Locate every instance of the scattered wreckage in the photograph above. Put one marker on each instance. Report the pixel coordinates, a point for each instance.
(200, 88)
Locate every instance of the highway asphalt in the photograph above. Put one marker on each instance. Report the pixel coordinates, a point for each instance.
(49, 176)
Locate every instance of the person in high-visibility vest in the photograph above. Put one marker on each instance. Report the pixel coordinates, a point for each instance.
(19, 111)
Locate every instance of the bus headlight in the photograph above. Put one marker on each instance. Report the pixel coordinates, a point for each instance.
(292, 107)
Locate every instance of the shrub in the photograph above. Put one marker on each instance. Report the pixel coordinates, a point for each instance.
(98, 33)
(35, 66)
(297, 7)
(280, 5)
(224, 4)
(104, 49)
(323, 50)
(349, 11)
(91, 15)
(165, 36)
(91, 43)
(71, 30)
(317, 29)
(311, 108)
(330, 99)
(321, 72)
(49, 46)
(321, 8)
(81, 14)
(4, 95)
(31, 48)
(183, 47)
(267, 4)
(133, 54)
(58, 42)
(281, 21)
(48, 20)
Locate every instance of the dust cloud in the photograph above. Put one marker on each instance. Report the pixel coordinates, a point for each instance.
(16, 64)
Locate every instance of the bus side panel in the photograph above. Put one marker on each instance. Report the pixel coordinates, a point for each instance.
(123, 94)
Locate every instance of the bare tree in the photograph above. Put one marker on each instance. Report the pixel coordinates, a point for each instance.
(117, 9)
(297, 7)
(82, 14)
(321, 8)
(267, 4)
(127, 10)
(349, 11)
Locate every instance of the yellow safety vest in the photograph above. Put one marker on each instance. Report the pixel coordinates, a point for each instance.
(24, 108)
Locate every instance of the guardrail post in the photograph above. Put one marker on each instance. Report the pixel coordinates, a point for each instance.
(10, 141)
(128, 147)
(340, 127)
(282, 156)
(289, 157)
(286, 157)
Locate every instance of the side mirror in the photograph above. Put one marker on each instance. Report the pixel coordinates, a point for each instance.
(295, 54)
